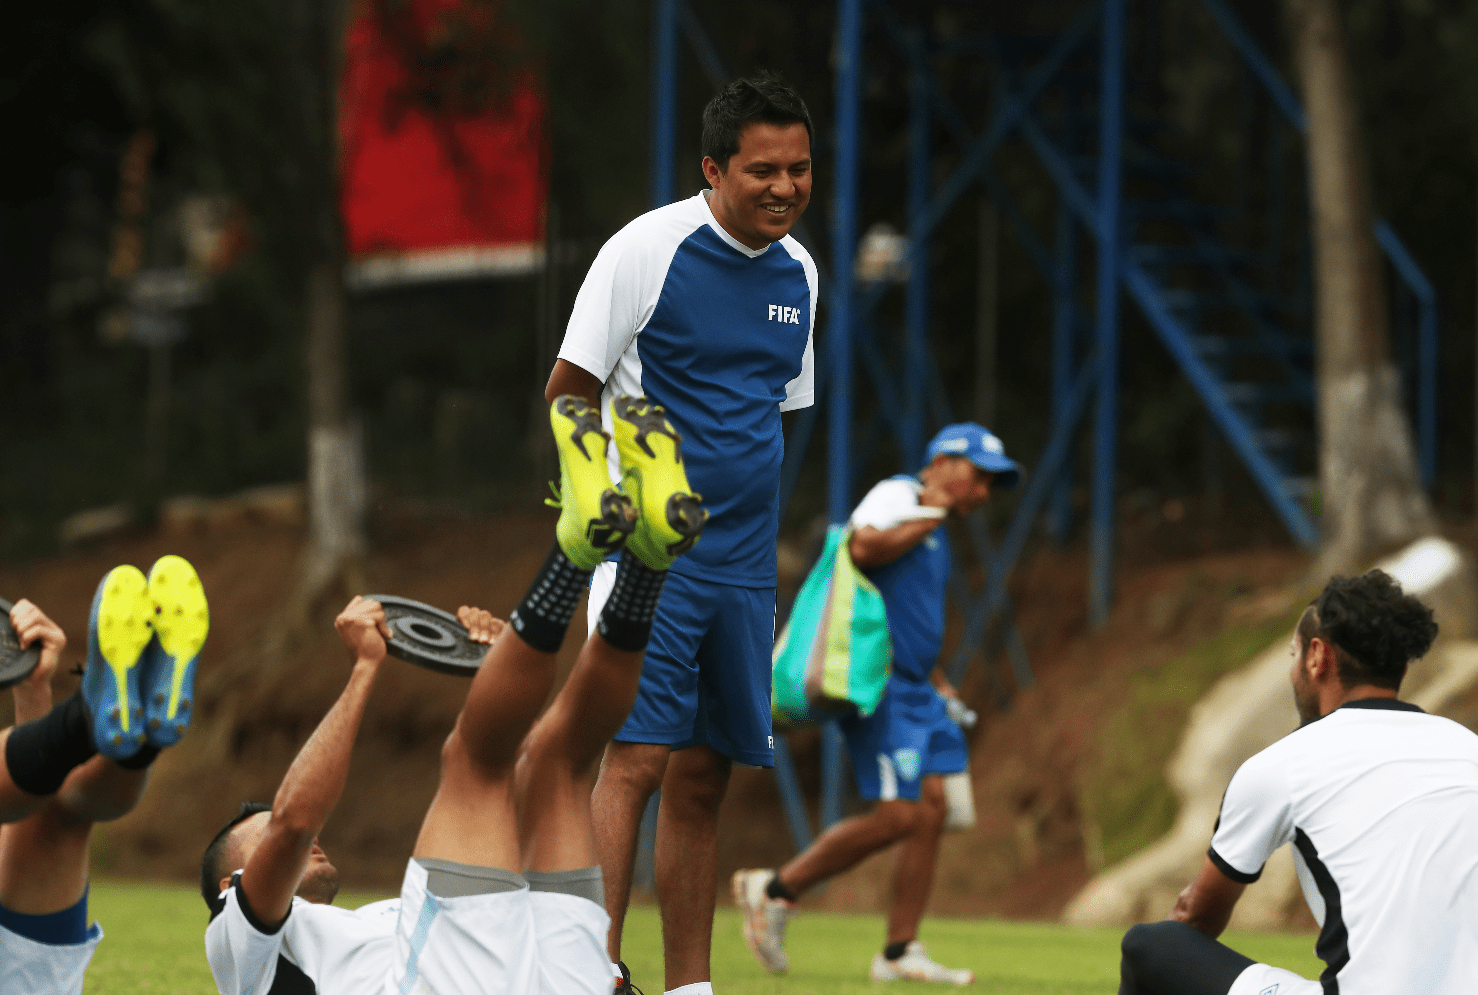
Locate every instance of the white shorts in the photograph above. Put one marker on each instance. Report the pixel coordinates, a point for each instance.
(516, 942)
(1264, 979)
(602, 582)
(33, 968)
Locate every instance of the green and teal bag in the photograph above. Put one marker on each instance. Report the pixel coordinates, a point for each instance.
(834, 653)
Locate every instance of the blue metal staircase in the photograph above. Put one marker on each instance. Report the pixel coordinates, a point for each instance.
(1225, 287)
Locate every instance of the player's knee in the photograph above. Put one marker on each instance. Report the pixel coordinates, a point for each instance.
(636, 768)
(932, 807)
(1141, 940)
(459, 757)
(897, 819)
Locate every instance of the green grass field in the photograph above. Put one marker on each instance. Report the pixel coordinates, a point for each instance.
(154, 947)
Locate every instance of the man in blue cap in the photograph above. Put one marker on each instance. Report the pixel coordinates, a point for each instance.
(902, 751)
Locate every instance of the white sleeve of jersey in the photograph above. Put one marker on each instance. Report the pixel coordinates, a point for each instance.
(801, 392)
(892, 502)
(1256, 818)
(242, 957)
(616, 300)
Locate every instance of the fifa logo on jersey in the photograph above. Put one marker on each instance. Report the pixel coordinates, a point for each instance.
(787, 315)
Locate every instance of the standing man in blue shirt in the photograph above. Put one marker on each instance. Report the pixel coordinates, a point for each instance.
(706, 307)
(901, 752)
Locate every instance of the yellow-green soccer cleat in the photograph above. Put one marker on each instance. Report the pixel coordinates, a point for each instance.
(181, 623)
(120, 627)
(670, 517)
(595, 517)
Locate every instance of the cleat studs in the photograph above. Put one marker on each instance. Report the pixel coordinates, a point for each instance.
(180, 729)
(115, 715)
(117, 739)
(159, 698)
(154, 723)
(184, 703)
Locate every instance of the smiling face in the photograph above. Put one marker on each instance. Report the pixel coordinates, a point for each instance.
(764, 190)
(320, 881)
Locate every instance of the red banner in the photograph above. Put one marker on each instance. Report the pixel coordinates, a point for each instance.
(444, 173)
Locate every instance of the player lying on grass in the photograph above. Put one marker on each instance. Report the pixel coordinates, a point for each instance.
(143, 640)
(502, 893)
(1380, 802)
(900, 752)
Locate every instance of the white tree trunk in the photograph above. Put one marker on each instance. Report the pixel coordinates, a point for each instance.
(1371, 496)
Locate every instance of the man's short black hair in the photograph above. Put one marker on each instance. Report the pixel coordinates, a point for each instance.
(1374, 627)
(762, 97)
(212, 867)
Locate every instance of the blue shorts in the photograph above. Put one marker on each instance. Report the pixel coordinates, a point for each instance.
(706, 676)
(909, 737)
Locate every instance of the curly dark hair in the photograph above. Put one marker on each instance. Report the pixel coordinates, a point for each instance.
(762, 97)
(212, 865)
(1375, 628)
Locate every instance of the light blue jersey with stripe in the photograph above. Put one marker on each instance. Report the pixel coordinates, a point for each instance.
(720, 335)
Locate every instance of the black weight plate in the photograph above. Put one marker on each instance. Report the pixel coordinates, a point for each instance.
(16, 664)
(429, 637)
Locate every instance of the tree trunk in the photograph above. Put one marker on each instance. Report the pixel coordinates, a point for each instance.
(336, 477)
(1371, 496)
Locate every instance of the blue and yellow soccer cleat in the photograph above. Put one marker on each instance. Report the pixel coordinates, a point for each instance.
(118, 631)
(181, 622)
(595, 517)
(670, 517)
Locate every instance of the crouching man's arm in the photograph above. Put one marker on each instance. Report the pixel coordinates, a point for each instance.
(1207, 902)
(313, 784)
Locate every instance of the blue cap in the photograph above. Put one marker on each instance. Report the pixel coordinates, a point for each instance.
(979, 446)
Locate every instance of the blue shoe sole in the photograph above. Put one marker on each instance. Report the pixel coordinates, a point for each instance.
(181, 623)
(118, 630)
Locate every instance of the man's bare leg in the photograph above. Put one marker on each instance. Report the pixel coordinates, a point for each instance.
(630, 774)
(687, 860)
(913, 871)
(472, 818)
(848, 843)
(558, 765)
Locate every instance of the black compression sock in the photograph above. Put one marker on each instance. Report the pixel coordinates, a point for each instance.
(893, 951)
(141, 759)
(544, 614)
(40, 754)
(626, 620)
(777, 889)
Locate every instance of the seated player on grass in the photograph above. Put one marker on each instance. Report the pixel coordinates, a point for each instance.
(1380, 803)
(502, 893)
(143, 640)
(899, 752)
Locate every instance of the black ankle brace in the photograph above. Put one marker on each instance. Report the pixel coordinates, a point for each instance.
(40, 754)
(545, 612)
(626, 620)
(777, 889)
(141, 759)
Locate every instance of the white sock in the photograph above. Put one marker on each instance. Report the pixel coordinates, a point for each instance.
(616, 968)
(696, 988)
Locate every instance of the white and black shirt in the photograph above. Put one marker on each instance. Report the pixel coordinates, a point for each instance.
(317, 950)
(1380, 802)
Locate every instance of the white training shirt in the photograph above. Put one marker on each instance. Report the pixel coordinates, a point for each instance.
(326, 950)
(1380, 802)
(719, 334)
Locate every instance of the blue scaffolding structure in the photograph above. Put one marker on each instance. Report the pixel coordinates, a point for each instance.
(1230, 305)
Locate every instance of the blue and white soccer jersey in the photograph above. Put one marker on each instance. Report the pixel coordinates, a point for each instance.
(517, 942)
(910, 736)
(720, 335)
(31, 967)
(1380, 803)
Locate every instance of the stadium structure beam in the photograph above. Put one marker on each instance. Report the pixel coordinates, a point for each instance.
(664, 99)
(1106, 224)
